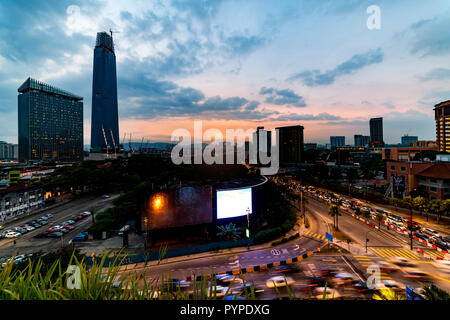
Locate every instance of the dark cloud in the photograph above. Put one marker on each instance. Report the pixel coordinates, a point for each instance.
(431, 36)
(313, 78)
(282, 97)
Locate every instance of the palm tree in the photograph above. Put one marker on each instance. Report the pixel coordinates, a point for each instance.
(333, 211)
(229, 232)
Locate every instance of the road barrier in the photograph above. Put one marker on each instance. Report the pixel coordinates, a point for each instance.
(257, 268)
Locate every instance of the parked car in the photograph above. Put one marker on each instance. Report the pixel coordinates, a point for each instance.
(55, 234)
(48, 215)
(69, 227)
(64, 230)
(29, 228)
(42, 234)
(13, 234)
(81, 237)
(70, 221)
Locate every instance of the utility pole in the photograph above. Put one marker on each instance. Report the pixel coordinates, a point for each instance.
(146, 231)
(248, 229)
(367, 239)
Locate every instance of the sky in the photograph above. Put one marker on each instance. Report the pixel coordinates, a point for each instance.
(238, 64)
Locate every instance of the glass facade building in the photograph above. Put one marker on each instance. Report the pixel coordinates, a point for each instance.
(105, 118)
(291, 144)
(50, 123)
(376, 130)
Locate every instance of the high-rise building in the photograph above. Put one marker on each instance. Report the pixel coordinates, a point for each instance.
(290, 144)
(105, 118)
(262, 147)
(442, 117)
(376, 131)
(8, 151)
(50, 123)
(361, 141)
(406, 140)
(337, 141)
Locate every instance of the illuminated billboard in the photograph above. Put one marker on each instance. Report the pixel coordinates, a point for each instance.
(234, 203)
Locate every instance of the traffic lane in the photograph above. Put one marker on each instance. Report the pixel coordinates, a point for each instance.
(300, 288)
(354, 228)
(27, 243)
(228, 262)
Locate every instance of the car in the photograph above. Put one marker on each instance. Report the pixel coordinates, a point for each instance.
(48, 215)
(392, 284)
(20, 230)
(69, 227)
(414, 273)
(87, 213)
(105, 196)
(43, 222)
(43, 218)
(329, 293)
(279, 281)
(42, 234)
(442, 265)
(13, 234)
(401, 261)
(385, 266)
(248, 288)
(227, 279)
(78, 217)
(64, 230)
(55, 234)
(2, 235)
(288, 268)
(29, 228)
(431, 232)
(362, 287)
(81, 237)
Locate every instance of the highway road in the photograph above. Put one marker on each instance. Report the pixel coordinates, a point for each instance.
(28, 244)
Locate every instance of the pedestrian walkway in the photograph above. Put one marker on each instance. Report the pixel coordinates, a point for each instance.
(311, 234)
(391, 253)
(367, 261)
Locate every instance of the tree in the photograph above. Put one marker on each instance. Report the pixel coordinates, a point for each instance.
(439, 207)
(420, 203)
(380, 217)
(396, 202)
(333, 210)
(229, 232)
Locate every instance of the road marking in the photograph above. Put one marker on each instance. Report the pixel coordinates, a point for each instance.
(275, 252)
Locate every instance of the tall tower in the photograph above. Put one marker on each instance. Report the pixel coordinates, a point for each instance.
(105, 117)
(376, 131)
(442, 117)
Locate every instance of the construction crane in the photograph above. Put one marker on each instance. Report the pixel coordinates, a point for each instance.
(106, 141)
(140, 147)
(129, 143)
(114, 143)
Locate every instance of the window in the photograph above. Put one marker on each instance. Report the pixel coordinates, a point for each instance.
(433, 180)
(392, 167)
(403, 168)
(433, 189)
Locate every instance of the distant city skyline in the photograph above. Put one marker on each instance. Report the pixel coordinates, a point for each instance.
(238, 64)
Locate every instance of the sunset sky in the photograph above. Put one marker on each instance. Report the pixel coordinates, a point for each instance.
(237, 64)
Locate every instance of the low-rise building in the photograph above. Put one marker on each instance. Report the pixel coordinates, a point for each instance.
(432, 177)
(20, 199)
(404, 153)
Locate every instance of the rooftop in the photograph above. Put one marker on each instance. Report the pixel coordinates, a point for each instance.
(31, 85)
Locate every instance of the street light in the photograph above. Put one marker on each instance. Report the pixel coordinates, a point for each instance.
(145, 234)
(367, 239)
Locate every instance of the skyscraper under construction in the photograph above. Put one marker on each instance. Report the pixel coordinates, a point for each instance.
(105, 118)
